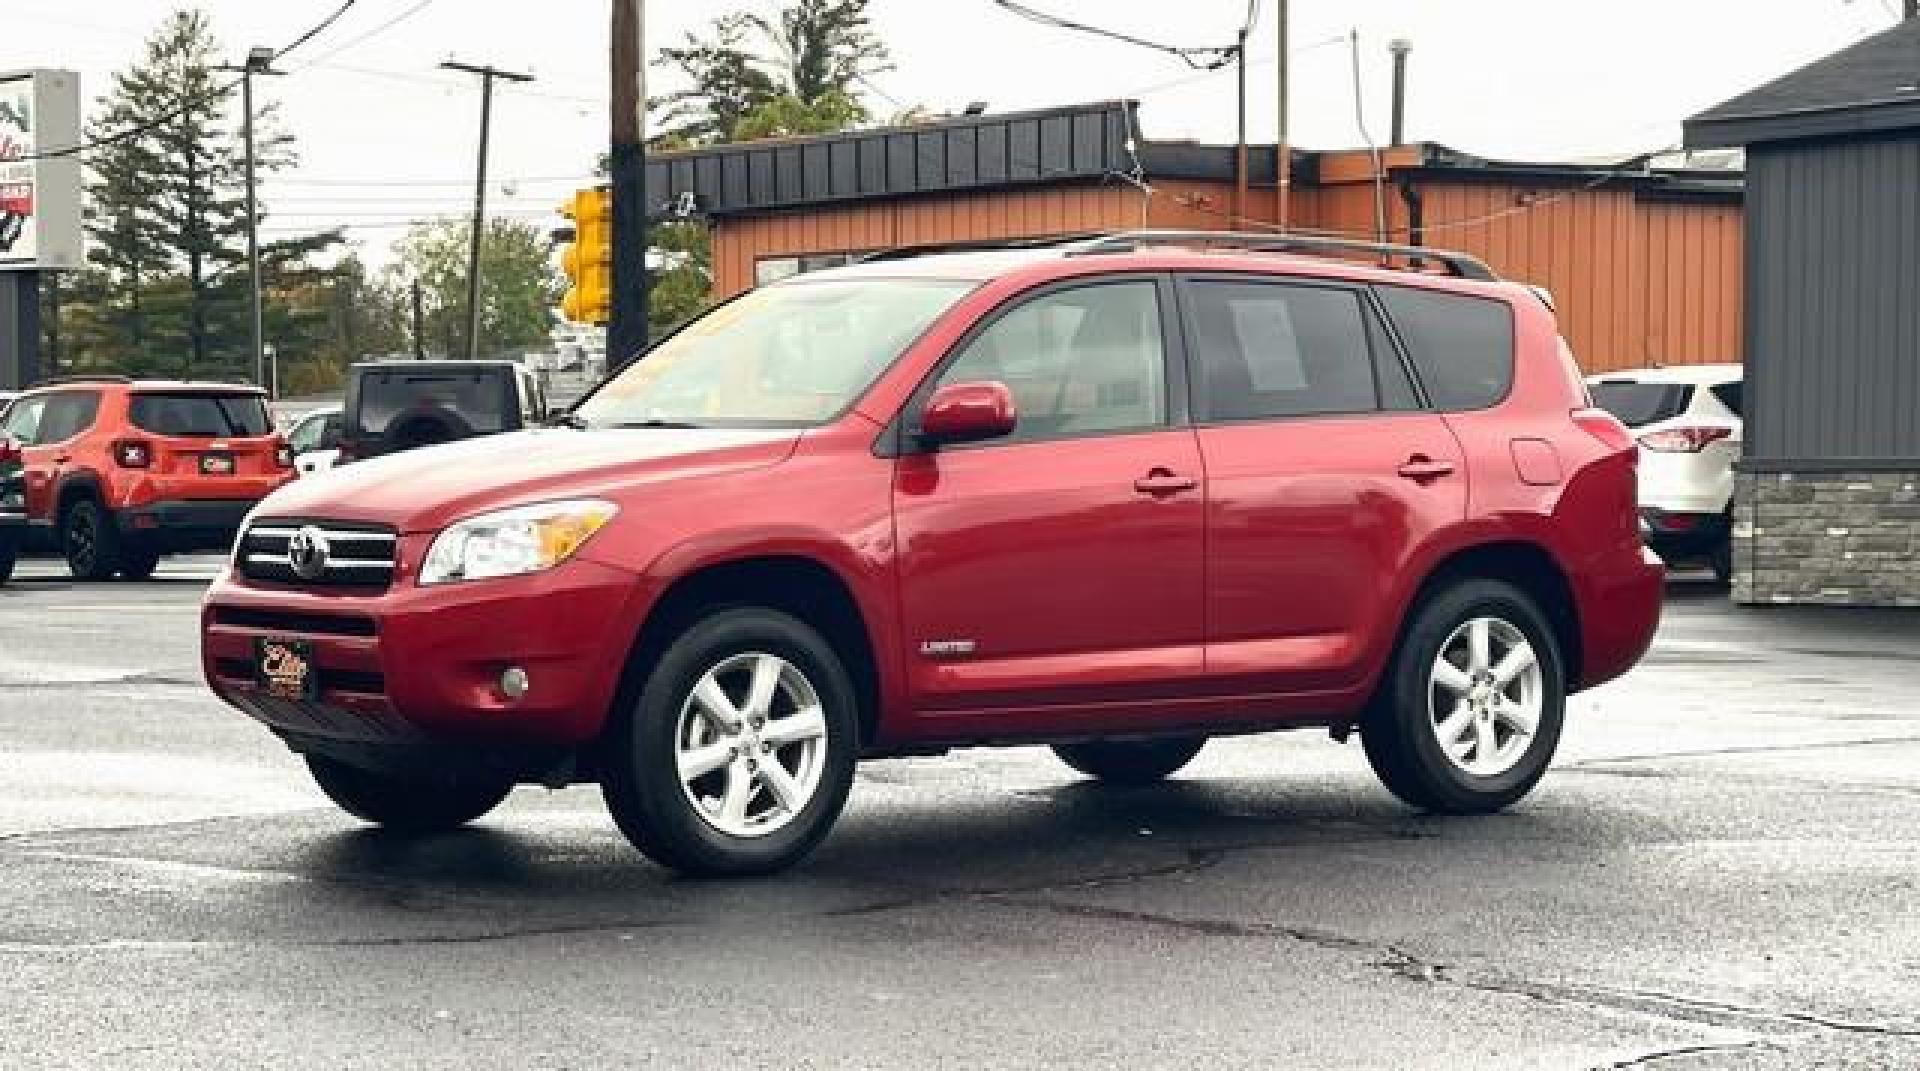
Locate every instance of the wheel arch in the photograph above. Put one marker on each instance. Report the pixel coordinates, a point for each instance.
(796, 583)
(1526, 565)
(80, 484)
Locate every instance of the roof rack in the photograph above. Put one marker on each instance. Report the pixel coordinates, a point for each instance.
(1459, 264)
(61, 381)
(981, 245)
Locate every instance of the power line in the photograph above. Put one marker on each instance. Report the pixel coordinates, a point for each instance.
(212, 96)
(1201, 57)
(410, 12)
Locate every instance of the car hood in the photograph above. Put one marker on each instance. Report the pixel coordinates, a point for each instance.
(426, 489)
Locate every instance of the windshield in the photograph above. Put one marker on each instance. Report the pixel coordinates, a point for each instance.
(784, 356)
(200, 415)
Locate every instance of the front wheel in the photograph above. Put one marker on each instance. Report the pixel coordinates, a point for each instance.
(738, 754)
(90, 541)
(1131, 762)
(1469, 714)
(407, 804)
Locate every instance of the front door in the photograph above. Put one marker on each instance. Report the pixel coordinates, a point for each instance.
(1325, 472)
(1061, 565)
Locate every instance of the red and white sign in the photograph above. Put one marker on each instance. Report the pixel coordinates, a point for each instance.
(39, 184)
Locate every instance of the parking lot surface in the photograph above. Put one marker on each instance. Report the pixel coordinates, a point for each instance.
(1723, 870)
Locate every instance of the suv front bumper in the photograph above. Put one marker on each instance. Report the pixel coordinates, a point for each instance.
(413, 673)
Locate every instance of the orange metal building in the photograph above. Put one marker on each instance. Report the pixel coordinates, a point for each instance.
(1644, 263)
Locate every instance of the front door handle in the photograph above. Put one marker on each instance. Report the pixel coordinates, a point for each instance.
(1164, 482)
(1422, 468)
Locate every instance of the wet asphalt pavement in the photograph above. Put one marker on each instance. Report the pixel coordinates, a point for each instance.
(1722, 871)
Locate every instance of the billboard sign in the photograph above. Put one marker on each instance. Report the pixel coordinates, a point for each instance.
(39, 193)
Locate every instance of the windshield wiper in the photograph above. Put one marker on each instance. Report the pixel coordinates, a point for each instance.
(680, 425)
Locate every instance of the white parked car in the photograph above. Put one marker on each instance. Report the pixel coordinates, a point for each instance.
(1688, 421)
(315, 441)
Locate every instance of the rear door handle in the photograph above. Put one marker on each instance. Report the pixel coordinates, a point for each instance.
(1421, 467)
(1164, 482)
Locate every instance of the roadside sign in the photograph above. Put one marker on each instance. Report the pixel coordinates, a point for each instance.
(39, 194)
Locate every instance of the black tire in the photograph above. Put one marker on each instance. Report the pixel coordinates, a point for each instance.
(641, 781)
(9, 554)
(407, 804)
(1721, 560)
(138, 563)
(90, 541)
(1131, 762)
(1399, 731)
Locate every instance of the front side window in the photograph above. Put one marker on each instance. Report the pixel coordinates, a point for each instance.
(1280, 350)
(67, 415)
(200, 414)
(792, 355)
(1083, 361)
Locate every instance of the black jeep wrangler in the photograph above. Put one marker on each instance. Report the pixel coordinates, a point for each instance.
(399, 405)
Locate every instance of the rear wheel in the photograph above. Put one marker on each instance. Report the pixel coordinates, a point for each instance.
(407, 804)
(90, 541)
(738, 754)
(1469, 714)
(1131, 762)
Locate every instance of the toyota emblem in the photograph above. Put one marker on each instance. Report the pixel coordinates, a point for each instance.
(307, 553)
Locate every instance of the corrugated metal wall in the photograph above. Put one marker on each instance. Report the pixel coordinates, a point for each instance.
(1834, 283)
(1637, 282)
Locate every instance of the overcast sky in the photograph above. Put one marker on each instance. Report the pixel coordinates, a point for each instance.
(385, 137)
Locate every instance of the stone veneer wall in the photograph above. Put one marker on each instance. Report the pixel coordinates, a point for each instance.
(1838, 539)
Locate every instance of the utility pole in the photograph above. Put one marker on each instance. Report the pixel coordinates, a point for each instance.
(627, 144)
(1240, 148)
(1283, 152)
(259, 61)
(487, 75)
(419, 322)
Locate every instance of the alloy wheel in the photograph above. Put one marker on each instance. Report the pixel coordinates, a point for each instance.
(1484, 696)
(751, 744)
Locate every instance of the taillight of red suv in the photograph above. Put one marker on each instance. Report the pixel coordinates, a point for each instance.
(133, 453)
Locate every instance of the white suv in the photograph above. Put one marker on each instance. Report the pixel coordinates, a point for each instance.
(1687, 419)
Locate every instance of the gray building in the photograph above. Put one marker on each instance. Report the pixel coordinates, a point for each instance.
(1828, 501)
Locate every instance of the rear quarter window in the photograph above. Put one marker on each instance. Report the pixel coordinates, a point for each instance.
(1462, 346)
(480, 400)
(200, 414)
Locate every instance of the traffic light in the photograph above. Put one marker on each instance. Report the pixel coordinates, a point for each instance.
(588, 262)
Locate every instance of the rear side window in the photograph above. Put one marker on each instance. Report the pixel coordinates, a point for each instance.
(1638, 404)
(1461, 346)
(1280, 350)
(67, 415)
(1730, 395)
(464, 402)
(200, 414)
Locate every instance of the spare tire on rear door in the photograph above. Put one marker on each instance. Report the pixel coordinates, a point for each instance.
(425, 427)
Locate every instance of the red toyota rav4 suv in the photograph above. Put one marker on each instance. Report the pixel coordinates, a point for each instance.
(1115, 495)
(114, 473)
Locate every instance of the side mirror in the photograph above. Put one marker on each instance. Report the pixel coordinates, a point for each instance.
(968, 412)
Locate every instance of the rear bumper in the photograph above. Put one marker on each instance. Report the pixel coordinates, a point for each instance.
(1675, 534)
(1620, 602)
(414, 672)
(208, 524)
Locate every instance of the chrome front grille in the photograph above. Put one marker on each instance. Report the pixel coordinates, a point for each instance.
(318, 553)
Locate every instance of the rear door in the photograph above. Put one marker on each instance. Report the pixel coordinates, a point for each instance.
(54, 456)
(1325, 472)
(223, 440)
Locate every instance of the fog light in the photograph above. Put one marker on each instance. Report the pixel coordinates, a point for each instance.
(514, 683)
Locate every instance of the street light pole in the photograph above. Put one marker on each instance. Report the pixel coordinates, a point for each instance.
(487, 75)
(259, 61)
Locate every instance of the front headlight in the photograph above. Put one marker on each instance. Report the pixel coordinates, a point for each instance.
(527, 539)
